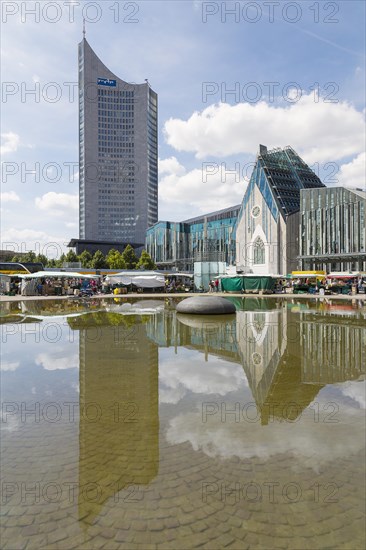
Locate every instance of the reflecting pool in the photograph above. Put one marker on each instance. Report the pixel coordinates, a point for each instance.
(127, 425)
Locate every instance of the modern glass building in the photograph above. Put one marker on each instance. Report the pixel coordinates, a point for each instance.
(201, 239)
(333, 229)
(118, 156)
(268, 222)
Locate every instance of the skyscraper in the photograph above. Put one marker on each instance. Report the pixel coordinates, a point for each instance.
(118, 179)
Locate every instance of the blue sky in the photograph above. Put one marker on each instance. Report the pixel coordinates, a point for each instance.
(297, 70)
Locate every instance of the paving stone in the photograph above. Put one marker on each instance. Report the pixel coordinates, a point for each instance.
(199, 526)
(56, 536)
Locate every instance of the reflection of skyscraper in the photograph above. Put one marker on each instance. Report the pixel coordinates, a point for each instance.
(119, 418)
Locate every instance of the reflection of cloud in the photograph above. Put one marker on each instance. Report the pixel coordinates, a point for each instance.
(308, 441)
(57, 359)
(189, 372)
(171, 395)
(9, 423)
(356, 391)
(9, 365)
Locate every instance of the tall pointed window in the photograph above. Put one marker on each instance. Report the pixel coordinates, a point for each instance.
(259, 251)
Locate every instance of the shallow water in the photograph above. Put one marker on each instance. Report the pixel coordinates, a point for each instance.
(126, 425)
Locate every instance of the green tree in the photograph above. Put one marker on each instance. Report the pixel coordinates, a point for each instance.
(52, 263)
(8, 256)
(71, 257)
(85, 258)
(114, 259)
(98, 260)
(60, 261)
(16, 258)
(145, 261)
(41, 258)
(129, 257)
(29, 257)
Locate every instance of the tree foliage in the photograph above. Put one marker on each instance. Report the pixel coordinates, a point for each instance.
(129, 257)
(85, 258)
(98, 261)
(71, 257)
(115, 260)
(145, 261)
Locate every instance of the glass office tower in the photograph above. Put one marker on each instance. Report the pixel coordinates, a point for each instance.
(118, 155)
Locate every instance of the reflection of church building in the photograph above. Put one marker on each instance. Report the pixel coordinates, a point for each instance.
(119, 421)
(268, 343)
(288, 357)
(267, 232)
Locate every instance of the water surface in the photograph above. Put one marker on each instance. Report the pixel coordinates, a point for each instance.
(126, 425)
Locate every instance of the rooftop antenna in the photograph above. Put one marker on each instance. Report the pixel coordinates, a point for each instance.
(84, 31)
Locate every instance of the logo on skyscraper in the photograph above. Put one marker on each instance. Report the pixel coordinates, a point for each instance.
(106, 82)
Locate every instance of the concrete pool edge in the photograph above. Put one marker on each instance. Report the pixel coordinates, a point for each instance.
(18, 298)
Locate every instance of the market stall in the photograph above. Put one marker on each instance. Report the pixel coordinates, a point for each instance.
(308, 281)
(343, 282)
(248, 283)
(145, 279)
(53, 283)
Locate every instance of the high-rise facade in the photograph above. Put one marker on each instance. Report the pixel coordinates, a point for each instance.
(118, 148)
(333, 229)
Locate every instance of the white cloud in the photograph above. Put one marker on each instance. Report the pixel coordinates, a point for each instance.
(353, 173)
(246, 438)
(170, 166)
(9, 365)
(190, 373)
(9, 196)
(23, 240)
(211, 187)
(221, 130)
(9, 143)
(356, 391)
(57, 360)
(58, 204)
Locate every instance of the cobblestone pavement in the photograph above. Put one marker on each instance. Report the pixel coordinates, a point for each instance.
(192, 501)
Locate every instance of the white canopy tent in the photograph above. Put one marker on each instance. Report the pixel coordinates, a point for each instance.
(57, 274)
(141, 279)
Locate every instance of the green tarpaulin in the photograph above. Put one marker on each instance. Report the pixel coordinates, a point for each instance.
(250, 283)
(232, 284)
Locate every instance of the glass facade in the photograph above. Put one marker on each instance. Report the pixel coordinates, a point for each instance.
(201, 239)
(118, 151)
(333, 229)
